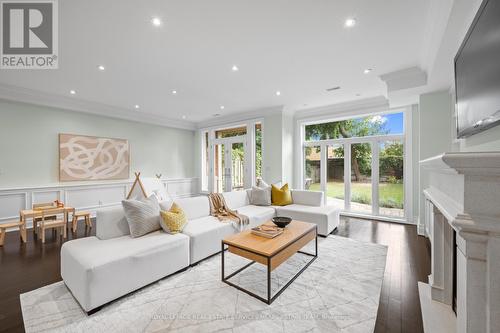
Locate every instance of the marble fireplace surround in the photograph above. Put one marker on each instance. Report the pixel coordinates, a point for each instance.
(464, 195)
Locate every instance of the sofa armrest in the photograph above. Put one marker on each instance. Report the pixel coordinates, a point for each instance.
(309, 198)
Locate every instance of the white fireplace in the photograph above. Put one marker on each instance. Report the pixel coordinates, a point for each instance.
(464, 196)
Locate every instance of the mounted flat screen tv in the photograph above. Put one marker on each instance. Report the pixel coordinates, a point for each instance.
(477, 73)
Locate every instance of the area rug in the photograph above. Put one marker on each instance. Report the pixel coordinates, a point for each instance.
(339, 292)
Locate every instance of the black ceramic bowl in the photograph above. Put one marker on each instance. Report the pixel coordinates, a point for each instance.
(281, 221)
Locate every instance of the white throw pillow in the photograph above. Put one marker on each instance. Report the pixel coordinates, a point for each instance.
(260, 196)
(142, 216)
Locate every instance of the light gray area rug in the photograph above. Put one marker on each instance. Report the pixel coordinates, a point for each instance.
(339, 292)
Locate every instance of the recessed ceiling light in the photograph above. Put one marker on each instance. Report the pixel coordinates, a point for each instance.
(72, 92)
(100, 67)
(235, 68)
(156, 21)
(216, 114)
(350, 22)
(174, 92)
(367, 71)
(278, 93)
(137, 106)
(184, 117)
(222, 107)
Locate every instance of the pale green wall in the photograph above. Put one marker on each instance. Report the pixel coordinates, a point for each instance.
(273, 148)
(29, 143)
(435, 133)
(488, 140)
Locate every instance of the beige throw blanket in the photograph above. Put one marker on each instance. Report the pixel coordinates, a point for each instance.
(219, 209)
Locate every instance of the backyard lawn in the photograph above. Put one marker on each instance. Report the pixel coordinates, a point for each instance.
(390, 195)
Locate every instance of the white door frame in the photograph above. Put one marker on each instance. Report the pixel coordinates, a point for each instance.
(228, 158)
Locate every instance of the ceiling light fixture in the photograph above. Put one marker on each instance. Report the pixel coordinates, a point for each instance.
(174, 92)
(101, 67)
(222, 107)
(367, 71)
(184, 117)
(72, 92)
(156, 21)
(235, 68)
(350, 22)
(137, 106)
(278, 93)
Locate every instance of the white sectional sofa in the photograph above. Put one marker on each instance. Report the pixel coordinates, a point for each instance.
(100, 269)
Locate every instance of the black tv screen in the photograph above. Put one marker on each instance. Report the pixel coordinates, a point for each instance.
(477, 73)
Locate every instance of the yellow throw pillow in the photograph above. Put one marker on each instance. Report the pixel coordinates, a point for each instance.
(281, 196)
(173, 220)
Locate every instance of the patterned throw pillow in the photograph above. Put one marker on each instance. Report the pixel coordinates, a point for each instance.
(281, 196)
(173, 220)
(260, 196)
(143, 216)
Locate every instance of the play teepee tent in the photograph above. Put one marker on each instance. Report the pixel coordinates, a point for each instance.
(144, 187)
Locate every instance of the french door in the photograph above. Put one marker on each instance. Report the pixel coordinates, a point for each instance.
(365, 176)
(229, 164)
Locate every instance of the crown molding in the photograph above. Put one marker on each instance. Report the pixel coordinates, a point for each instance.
(373, 104)
(242, 116)
(29, 96)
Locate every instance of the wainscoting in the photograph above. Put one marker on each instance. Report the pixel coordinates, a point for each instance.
(82, 196)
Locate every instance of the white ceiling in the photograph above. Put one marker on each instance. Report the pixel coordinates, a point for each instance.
(297, 47)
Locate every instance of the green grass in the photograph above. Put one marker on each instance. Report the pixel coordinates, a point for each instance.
(390, 195)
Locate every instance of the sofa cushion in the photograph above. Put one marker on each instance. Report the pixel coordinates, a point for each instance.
(194, 207)
(326, 217)
(260, 196)
(310, 198)
(99, 271)
(257, 214)
(205, 236)
(143, 216)
(236, 199)
(281, 196)
(111, 223)
(173, 220)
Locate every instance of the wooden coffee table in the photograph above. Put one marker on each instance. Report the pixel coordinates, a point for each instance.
(270, 252)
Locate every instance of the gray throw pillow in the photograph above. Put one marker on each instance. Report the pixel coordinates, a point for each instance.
(142, 216)
(260, 196)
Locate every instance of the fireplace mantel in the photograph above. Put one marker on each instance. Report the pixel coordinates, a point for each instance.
(464, 195)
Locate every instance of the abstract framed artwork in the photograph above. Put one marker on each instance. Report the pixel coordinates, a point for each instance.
(84, 157)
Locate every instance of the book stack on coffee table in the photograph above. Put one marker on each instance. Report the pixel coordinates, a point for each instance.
(267, 231)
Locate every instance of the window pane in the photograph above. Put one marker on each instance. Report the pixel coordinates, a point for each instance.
(361, 182)
(391, 189)
(335, 190)
(238, 165)
(219, 169)
(357, 127)
(258, 150)
(229, 132)
(313, 175)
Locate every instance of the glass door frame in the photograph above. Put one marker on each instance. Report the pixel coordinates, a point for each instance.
(228, 158)
(374, 142)
(207, 134)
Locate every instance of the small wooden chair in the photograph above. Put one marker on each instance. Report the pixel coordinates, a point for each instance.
(78, 215)
(59, 222)
(5, 226)
(40, 206)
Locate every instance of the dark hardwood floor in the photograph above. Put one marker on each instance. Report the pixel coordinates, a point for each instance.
(24, 267)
